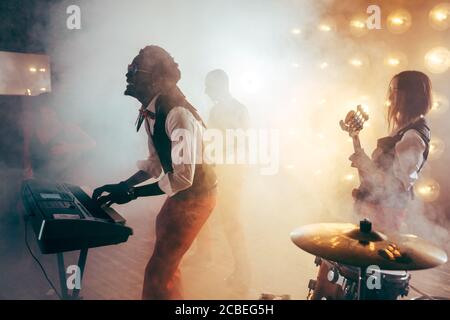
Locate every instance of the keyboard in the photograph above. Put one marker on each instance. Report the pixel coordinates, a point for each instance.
(65, 218)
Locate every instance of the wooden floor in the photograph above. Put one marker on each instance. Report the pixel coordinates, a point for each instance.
(116, 272)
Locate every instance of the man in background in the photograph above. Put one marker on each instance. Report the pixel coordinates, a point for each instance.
(227, 114)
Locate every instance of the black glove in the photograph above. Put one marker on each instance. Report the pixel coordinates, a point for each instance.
(118, 193)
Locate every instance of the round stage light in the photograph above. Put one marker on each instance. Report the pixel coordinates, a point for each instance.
(427, 190)
(356, 62)
(399, 21)
(358, 26)
(439, 105)
(323, 65)
(327, 25)
(349, 177)
(396, 60)
(359, 61)
(437, 60)
(393, 62)
(439, 16)
(437, 148)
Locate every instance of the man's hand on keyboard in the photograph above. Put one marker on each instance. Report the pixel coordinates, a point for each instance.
(119, 193)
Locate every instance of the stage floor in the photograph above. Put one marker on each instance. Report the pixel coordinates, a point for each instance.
(116, 272)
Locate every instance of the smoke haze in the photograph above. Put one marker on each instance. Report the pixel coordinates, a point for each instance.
(299, 82)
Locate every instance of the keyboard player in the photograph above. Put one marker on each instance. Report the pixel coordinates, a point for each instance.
(190, 187)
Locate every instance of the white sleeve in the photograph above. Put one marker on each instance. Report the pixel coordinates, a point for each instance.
(408, 158)
(152, 165)
(186, 134)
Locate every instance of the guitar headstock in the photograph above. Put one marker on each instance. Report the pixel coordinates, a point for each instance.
(354, 121)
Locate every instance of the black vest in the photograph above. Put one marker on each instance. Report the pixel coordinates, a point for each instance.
(393, 196)
(204, 175)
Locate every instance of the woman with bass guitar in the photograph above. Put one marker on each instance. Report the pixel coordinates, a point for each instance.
(387, 180)
(388, 177)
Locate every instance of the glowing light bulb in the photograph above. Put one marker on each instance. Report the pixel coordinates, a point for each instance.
(43, 89)
(28, 92)
(33, 69)
(393, 62)
(437, 147)
(325, 27)
(432, 148)
(357, 24)
(396, 59)
(296, 31)
(356, 62)
(427, 190)
(42, 69)
(440, 104)
(323, 65)
(399, 21)
(435, 105)
(437, 60)
(439, 17)
(349, 177)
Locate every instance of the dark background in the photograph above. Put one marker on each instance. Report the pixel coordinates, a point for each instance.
(22, 29)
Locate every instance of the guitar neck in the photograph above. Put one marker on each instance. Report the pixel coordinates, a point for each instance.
(357, 147)
(356, 142)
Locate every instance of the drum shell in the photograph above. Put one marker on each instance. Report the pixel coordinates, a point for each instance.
(392, 284)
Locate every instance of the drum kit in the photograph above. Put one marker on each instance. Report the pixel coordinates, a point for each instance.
(358, 263)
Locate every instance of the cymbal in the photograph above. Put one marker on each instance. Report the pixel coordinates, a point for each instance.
(360, 246)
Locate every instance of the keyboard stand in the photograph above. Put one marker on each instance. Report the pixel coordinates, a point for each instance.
(62, 275)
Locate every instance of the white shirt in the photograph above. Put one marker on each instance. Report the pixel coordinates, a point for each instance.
(408, 158)
(182, 176)
(225, 115)
(230, 114)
